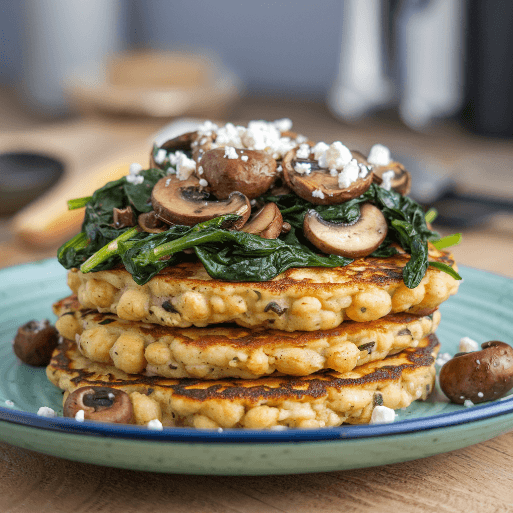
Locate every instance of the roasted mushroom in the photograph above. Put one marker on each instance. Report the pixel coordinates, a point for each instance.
(319, 186)
(267, 222)
(123, 217)
(228, 169)
(353, 240)
(479, 375)
(150, 223)
(401, 181)
(102, 404)
(184, 202)
(181, 143)
(35, 341)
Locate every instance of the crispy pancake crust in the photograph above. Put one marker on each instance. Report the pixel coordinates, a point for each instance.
(323, 399)
(306, 299)
(222, 351)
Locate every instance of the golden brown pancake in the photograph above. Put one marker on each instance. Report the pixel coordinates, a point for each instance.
(221, 351)
(307, 299)
(322, 399)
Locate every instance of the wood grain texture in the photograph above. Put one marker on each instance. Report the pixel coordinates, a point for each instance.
(474, 479)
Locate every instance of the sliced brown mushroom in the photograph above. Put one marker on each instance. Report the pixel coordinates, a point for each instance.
(251, 173)
(185, 202)
(353, 240)
(401, 182)
(321, 180)
(123, 217)
(181, 143)
(267, 222)
(150, 223)
(102, 404)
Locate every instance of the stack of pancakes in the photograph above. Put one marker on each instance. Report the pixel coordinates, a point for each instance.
(313, 347)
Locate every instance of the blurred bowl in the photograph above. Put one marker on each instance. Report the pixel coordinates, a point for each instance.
(25, 176)
(154, 84)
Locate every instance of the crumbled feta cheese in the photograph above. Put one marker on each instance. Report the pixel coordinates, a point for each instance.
(207, 128)
(303, 152)
(283, 125)
(80, 416)
(387, 177)
(319, 149)
(480, 394)
(253, 202)
(333, 172)
(467, 345)
(185, 166)
(200, 170)
(135, 168)
(111, 396)
(478, 362)
(279, 169)
(244, 158)
(9, 402)
(160, 157)
(45, 411)
(468, 403)
(135, 179)
(229, 135)
(318, 194)
(219, 430)
(168, 181)
(363, 171)
(300, 139)
(230, 153)
(303, 168)
(382, 415)
(349, 174)
(279, 428)
(203, 182)
(379, 155)
(155, 425)
(335, 157)
(442, 359)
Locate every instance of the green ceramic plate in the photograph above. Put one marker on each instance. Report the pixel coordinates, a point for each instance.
(483, 310)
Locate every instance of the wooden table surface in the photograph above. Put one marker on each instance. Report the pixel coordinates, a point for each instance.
(477, 478)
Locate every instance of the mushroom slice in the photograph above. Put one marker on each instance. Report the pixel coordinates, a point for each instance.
(321, 182)
(401, 182)
(102, 404)
(352, 240)
(150, 223)
(185, 202)
(123, 217)
(183, 142)
(267, 222)
(251, 172)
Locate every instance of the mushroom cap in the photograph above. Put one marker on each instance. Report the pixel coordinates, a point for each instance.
(150, 223)
(182, 142)
(321, 179)
(102, 404)
(35, 341)
(401, 182)
(252, 177)
(353, 240)
(267, 222)
(185, 202)
(479, 375)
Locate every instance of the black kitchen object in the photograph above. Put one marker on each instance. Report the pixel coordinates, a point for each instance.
(23, 177)
(468, 210)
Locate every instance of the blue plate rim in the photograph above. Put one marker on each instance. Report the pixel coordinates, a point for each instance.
(499, 408)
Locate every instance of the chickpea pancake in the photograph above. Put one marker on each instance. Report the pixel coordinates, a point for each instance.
(306, 299)
(222, 351)
(322, 399)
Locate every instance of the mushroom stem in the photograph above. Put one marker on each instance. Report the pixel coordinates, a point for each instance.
(110, 249)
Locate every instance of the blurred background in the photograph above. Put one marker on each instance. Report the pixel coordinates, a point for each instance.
(85, 87)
